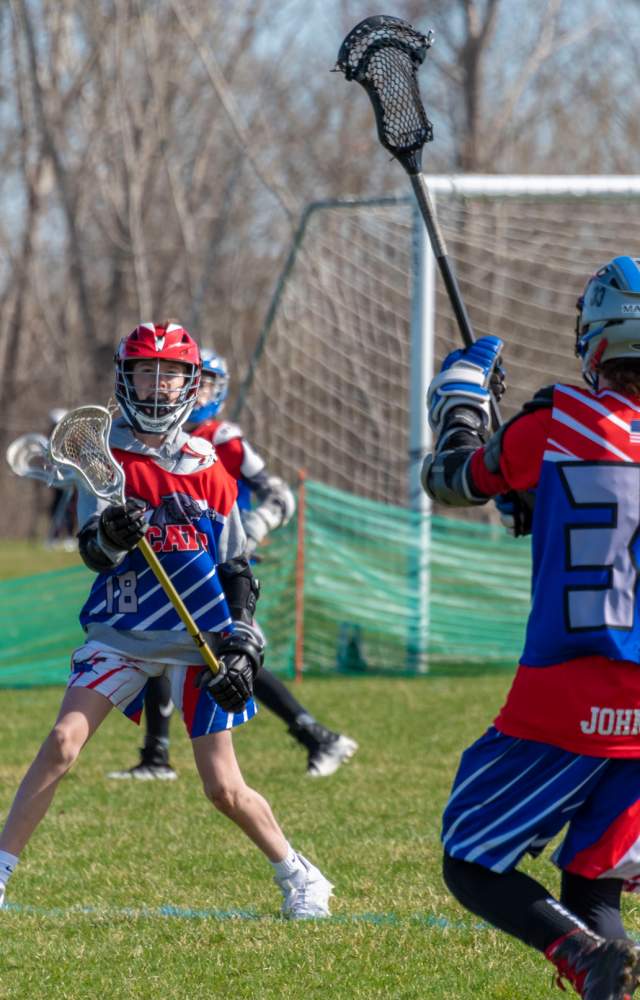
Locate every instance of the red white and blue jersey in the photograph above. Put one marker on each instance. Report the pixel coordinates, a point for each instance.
(191, 505)
(237, 456)
(578, 684)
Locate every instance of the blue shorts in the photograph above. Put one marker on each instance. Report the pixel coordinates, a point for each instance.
(511, 797)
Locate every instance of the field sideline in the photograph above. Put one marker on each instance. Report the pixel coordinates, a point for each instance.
(141, 890)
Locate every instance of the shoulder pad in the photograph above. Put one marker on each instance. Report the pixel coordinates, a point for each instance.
(198, 447)
(226, 432)
(543, 399)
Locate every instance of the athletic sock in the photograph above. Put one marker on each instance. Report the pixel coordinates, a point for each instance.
(7, 864)
(289, 865)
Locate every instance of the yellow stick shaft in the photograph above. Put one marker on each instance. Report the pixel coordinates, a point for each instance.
(205, 651)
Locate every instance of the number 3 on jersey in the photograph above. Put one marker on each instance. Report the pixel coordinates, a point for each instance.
(604, 548)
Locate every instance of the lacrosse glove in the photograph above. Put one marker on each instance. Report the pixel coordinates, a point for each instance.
(469, 377)
(122, 526)
(240, 654)
(516, 511)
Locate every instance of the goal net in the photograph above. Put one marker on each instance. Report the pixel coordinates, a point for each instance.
(329, 383)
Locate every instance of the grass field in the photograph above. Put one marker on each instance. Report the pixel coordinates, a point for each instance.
(135, 890)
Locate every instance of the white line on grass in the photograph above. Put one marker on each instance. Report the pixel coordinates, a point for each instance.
(187, 913)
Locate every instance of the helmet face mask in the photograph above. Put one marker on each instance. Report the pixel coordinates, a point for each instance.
(165, 361)
(214, 387)
(608, 322)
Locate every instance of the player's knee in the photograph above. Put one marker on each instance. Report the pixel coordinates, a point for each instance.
(223, 795)
(464, 879)
(60, 749)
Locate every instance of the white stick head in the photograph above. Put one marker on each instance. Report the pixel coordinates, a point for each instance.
(28, 456)
(80, 441)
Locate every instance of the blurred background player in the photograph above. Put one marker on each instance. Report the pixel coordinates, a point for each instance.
(184, 501)
(564, 750)
(274, 507)
(62, 508)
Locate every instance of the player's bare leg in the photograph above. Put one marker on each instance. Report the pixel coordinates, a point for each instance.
(225, 787)
(81, 712)
(305, 890)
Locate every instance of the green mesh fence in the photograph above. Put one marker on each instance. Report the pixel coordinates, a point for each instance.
(385, 592)
(369, 568)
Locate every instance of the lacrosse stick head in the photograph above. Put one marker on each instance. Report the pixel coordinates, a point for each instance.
(80, 442)
(28, 456)
(383, 53)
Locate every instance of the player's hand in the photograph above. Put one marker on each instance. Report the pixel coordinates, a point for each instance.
(469, 377)
(240, 654)
(123, 525)
(516, 511)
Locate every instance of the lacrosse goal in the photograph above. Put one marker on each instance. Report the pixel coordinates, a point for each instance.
(337, 381)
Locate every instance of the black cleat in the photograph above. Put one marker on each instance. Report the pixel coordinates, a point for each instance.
(154, 766)
(597, 969)
(327, 750)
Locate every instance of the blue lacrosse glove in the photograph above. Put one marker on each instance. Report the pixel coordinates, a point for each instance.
(516, 511)
(468, 377)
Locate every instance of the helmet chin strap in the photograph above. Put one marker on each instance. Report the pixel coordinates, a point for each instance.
(594, 380)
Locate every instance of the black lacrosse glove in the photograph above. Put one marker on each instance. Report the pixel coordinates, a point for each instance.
(124, 525)
(498, 381)
(240, 655)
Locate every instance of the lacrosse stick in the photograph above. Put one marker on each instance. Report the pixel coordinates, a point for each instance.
(28, 457)
(80, 442)
(383, 54)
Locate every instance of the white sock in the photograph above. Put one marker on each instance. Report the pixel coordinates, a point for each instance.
(289, 865)
(7, 864)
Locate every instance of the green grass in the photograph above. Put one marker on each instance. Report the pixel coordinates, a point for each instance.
(120, 849)
(88, 894)
(20, 558)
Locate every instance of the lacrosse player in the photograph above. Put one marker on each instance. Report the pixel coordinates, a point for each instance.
(183, 500)
(62, 526)
(564, 751)
(275, 506)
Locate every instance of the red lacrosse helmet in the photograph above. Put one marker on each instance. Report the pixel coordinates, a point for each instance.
(157, 342)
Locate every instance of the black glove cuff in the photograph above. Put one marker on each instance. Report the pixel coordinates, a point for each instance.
(244, 641)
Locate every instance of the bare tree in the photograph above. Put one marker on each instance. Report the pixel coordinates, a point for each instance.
(156, 154)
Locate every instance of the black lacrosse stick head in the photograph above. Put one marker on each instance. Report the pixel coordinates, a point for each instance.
(383, 53)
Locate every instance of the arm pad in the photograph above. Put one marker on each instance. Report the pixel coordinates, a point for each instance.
(95, 554)
(240, 587)
(445, 475)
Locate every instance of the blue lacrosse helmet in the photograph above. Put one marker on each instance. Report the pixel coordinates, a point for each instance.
(608, 323)
(214, 386)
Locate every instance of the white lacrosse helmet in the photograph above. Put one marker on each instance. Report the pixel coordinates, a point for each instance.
(608, 323)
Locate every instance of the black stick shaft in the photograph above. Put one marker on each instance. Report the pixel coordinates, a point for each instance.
(439, 248)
